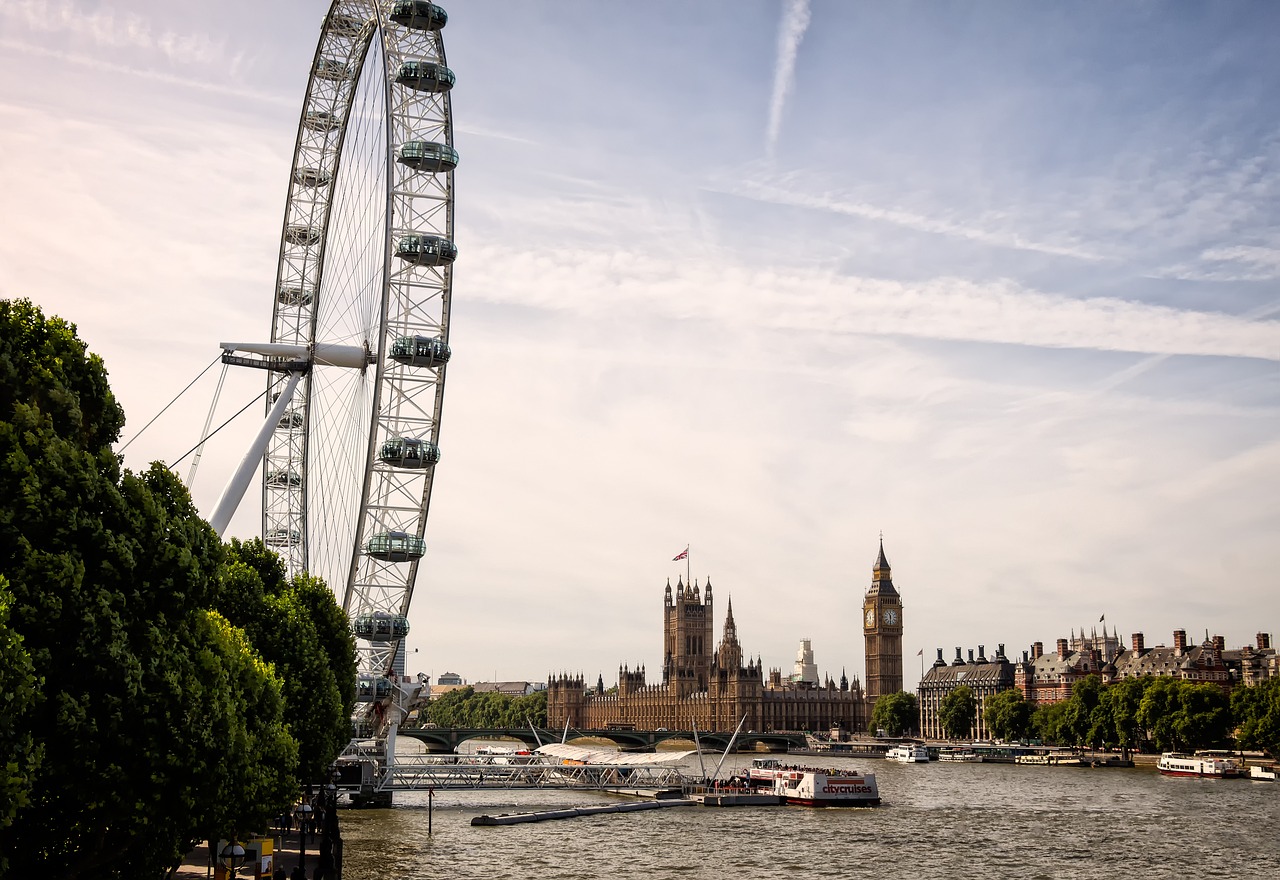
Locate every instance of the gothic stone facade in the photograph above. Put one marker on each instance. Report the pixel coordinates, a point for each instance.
(710, 688)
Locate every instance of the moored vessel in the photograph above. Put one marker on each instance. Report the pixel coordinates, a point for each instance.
(814, 787)
(1178, 764)
(1264, 772)
(959, 756)
(908, 753)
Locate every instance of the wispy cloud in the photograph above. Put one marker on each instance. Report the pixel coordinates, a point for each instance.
(837, 204)
(109, 29)
(795, 21)
(1235, 263)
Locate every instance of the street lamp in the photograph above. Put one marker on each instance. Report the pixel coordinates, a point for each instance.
(302, 813)
(232, 857)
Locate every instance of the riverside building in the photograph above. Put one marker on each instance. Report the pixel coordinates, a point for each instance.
(985, 677)
(714, 685)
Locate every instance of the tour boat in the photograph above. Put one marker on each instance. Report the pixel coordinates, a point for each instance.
(827, 788)
(813, 787)
(1177, 764)
(1264, 772)
(959, 756)
(908, 754)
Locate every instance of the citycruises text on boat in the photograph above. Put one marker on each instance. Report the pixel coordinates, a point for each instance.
(814, 787)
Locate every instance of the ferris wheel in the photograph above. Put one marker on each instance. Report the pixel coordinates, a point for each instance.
(360, 320)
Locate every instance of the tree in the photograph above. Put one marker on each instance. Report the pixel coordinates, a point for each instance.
(1126, 699)
(1257, 713)
(463, 707)
(299, 628)
(1204, 716)
(1049, 723)
(896, 714)
(20, 754)
(1078, 718)
(1008, 715)
(110, 574)
(958, 712)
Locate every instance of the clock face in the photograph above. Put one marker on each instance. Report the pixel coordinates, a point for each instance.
(871, 617)
(890, 616)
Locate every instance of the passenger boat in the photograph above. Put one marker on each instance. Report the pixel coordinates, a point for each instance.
(813, 787)
(959, 756)
(1177, 764)
(1264, 772)
(1032, 759)
(908, 754)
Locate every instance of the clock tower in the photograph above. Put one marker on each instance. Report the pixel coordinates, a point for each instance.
(882, 629)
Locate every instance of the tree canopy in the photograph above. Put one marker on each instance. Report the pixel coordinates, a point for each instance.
(137, 719)
(1007, 714)
(466, 708)
(958, 712)
(896, 714)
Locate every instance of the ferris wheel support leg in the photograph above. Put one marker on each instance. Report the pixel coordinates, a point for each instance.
(239, 482)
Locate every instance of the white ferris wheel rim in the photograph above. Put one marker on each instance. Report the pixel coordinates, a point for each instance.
(365, 261)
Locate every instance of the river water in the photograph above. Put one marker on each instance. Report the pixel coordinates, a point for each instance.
(953, 821)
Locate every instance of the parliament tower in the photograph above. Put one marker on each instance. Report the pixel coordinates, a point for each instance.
(882, 629)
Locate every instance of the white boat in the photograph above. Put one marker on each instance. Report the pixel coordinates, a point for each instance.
(1177, 764)
(1031, 759)
(1264, 772)
(908, 754)
(959, 756)
(813, 787)
(827, 788)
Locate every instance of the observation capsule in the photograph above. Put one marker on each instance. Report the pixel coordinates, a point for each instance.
(291, 418)
(419, 14)
(370, 687)
(426, 76)
(302, 234)
(395, 547)
(294, 295)
(381, 626)
(282, 537)
(426, 250)
(427, 156)
(322, 121)
(332, 69)
(406, 452)
(286, 477)
(421, 351)
(312, 177)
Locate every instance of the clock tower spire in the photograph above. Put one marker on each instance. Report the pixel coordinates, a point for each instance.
(882, 631)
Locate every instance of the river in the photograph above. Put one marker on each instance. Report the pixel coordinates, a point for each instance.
(953, 821)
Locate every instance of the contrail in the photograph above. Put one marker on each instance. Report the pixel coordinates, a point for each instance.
(795, 21)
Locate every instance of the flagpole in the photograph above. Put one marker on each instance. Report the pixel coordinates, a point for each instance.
(688, 565)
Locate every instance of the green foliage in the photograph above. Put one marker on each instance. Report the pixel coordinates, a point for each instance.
(110, 573)
(466, 708)
(1008, 715)
(896, 714)
(20, 754)
(1257, 712)
(1078, 721)
(958, 712)
(1049, 724)
(299, 628)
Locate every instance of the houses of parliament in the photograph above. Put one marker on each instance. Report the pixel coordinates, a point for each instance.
(715, 686)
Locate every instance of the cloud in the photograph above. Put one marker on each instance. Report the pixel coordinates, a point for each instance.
(109, 29)
(805, 299)
(795, 21)
(837, 204)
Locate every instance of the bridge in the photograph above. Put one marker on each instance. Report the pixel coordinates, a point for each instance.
(445, 740)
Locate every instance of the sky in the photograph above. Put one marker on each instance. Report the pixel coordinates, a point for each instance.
(767, 279)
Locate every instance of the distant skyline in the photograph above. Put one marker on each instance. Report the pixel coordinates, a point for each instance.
(766, 278)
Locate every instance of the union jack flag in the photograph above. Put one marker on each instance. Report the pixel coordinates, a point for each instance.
(683, 554)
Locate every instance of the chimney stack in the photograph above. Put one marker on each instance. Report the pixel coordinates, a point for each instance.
(971, 655)
(1062, 649)
(1139, 644)
(1219, 645)
(1264, 641)
(1000, 652)
(1037, 650)
(982, 653)
(1179, 642)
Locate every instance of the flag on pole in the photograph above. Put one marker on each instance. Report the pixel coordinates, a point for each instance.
(920, 653)
(683, 554)
(1102, 618)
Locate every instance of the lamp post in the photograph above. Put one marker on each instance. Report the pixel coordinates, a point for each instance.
(331, 837)
(232, 857)
(302, 813)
